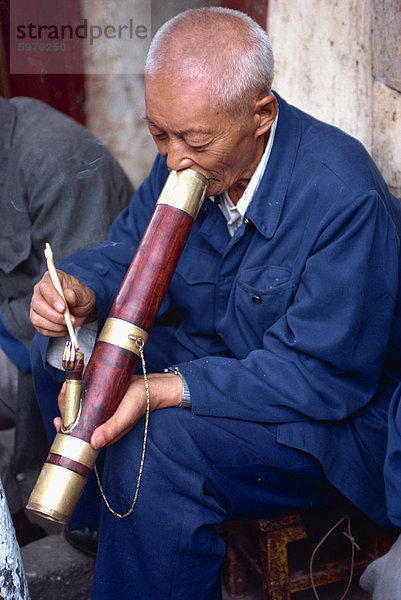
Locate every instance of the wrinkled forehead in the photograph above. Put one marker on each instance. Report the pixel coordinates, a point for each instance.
(180, 70)
(176, 90)
(184, 109)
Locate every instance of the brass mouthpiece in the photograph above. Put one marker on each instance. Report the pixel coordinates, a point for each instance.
(184, 190)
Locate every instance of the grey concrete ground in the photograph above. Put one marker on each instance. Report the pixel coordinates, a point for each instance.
(55, 570)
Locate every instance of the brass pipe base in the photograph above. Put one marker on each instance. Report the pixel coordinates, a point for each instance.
(56, 493)
(58, 488)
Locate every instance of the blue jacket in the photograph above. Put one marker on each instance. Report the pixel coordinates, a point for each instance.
(296, 319)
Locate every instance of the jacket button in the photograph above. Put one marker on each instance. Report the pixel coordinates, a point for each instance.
(257, 299)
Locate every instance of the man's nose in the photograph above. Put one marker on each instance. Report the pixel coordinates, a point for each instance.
(177, 157)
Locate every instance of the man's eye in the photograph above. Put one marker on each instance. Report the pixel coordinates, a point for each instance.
(198, 147)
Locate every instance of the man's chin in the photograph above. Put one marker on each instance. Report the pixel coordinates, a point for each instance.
(214, 188)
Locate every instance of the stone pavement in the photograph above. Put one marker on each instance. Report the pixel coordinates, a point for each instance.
(56, 570)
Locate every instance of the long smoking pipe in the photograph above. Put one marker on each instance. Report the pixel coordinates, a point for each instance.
(71, 457)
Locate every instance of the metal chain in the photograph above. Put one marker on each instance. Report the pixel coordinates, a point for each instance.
(140, 344)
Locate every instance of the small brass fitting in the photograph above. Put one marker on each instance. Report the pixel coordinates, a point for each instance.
(73, 365)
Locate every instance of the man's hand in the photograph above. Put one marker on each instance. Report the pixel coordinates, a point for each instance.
(165, 390)
(47, 306)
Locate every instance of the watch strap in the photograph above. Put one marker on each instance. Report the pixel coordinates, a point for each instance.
(186, 395)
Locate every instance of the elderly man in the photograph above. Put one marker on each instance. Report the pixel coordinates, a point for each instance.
(289, 346)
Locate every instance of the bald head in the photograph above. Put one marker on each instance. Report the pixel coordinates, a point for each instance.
(223, 48)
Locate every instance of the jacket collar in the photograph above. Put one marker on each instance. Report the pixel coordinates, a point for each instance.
(266, 207)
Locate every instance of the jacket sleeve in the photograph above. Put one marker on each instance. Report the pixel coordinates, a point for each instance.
(103, 268)
(323, 358)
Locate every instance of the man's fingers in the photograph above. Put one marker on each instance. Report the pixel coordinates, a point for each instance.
(132, 408)
(50, 327)
(80, 299)
(111, 431)
(48, 292)
(47, 306)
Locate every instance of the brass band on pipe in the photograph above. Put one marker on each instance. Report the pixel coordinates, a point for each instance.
(58, 489)
(184, 190)
(123, 334)
(74, 449)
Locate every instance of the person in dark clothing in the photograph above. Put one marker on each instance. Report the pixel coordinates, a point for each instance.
(60, 184)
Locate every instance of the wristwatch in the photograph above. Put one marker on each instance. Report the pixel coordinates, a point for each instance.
(186, 395)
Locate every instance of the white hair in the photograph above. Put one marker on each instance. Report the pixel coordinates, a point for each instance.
(224, 47)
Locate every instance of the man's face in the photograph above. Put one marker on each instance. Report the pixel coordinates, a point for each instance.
(189, 133)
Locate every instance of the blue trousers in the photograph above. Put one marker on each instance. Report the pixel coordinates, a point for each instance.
(198, 472)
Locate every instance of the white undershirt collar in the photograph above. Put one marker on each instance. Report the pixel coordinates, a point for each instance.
(234, 213)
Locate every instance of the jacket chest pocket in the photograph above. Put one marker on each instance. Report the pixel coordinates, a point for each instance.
(262, 296)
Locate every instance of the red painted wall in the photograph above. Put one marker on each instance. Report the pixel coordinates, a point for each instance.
(257, 9)
(63, 92)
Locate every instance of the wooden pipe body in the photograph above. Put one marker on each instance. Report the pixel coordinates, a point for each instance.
(148, 277)
(116, 353)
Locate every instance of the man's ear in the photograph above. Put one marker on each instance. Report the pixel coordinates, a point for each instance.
(265, 112)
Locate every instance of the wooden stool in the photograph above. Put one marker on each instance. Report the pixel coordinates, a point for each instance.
(278, 551)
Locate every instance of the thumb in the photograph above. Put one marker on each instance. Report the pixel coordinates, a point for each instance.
(81, 299)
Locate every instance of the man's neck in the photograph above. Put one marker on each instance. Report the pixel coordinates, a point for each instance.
(237, 189)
